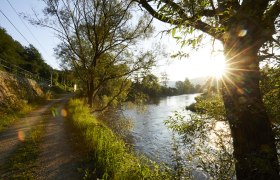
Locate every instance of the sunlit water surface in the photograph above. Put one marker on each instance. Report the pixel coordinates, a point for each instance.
(150, 135)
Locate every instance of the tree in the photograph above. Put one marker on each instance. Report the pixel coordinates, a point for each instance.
(144, 88)
(270, 82)
(35, 63)
(185, 87)
(180, 87)
(164, 79)
(150, 85)
(243, 27)
(95, 36)
(10, 50)
(28, 58)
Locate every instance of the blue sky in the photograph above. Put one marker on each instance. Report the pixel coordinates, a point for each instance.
(199, 64)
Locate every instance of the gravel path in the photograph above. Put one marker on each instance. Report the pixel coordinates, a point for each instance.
(58, 159)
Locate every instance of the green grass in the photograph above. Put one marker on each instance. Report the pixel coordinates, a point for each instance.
(111, 156)
(23, 162)
(9, 116)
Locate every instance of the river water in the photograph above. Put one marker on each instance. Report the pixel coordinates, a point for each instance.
(150, 135)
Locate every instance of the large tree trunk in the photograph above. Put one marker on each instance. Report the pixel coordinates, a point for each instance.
(253, 140)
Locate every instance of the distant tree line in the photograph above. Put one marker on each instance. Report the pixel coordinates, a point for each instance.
(148, 87)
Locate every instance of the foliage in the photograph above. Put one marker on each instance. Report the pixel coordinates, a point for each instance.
(10, 50)
(270, 83)
(111, 157)
(204, 105)
(144, 88)
(185, 87)
(210, 115)
(35, 63)
(147, 88)
(57, 89)
(27, 58)
(168, 91)
(206, 138)
(97, 42)
(248, 31)
(30, 59)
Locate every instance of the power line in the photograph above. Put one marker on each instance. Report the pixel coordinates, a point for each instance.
(14, 26)
(26, 26)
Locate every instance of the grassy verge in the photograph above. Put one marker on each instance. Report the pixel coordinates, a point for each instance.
(111, 157)
(23, 164)
(9, 116)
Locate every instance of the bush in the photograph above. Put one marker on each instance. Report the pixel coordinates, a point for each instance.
(57, 89)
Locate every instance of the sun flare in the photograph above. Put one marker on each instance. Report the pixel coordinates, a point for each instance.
(201, 64)
(217, 67)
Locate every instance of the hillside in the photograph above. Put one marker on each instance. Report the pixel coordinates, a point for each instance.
(27, 57)
(14, 89)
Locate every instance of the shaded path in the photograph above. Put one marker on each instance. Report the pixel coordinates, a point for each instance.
(58, 158)
(12, 137)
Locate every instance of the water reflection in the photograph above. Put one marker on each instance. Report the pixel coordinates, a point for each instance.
(150, 135)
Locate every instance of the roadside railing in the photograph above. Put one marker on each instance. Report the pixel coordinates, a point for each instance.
(18, 71)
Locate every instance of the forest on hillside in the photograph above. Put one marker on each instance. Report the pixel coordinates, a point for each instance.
(13, 55)
(28, 58)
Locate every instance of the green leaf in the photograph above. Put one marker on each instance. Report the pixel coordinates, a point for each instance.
(173, 32)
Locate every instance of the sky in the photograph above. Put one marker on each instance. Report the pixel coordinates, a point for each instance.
(198, 64)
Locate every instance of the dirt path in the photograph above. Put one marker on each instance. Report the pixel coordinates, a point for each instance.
(58, 158)
(12, 137)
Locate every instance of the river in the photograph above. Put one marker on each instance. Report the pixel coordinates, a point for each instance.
(150, 135)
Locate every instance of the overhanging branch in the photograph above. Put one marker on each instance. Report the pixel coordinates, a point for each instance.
(184, 21)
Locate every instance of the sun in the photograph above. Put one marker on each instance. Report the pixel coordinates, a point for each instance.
(217, 67)
(200, 64)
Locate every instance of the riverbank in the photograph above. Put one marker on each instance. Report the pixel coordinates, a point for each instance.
(111, 157)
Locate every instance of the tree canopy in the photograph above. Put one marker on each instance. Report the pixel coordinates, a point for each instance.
(28, 58)
(97, 40)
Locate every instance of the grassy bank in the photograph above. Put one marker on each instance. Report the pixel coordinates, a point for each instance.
(23, 163)
(10, 115)
(111, 157)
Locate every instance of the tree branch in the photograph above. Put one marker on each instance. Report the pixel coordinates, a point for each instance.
(271, 14)
(257, 10)
(185, 21)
